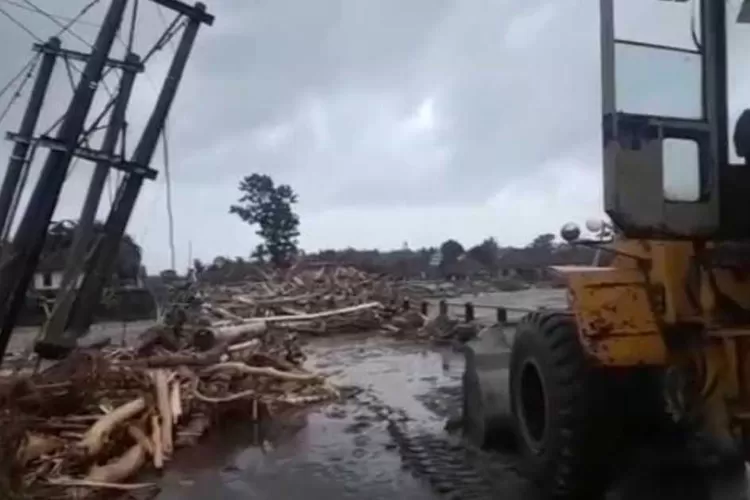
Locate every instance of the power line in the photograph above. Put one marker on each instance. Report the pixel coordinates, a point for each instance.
(18, 75)
(69, 29)
(158, 46)
(165, 148)
(160, 13)
(32, 61)
(168, 182)
(78, 16)
(21, 6)
(20, 25)
(29, 70)
(52, 18)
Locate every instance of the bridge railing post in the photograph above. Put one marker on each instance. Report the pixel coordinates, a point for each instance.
(501, 315)
(469, 312)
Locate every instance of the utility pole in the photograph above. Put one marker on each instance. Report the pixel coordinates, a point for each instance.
(32, 231)
(55, 326)
(26, 133)
(99, 267)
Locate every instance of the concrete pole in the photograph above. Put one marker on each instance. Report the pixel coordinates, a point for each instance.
(99, 269)
(55, 326)
(32, 231)
(26, 133)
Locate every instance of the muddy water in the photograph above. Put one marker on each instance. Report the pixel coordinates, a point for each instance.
(344, 450)
(385, 439)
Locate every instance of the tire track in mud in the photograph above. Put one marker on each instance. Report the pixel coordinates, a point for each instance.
(451, 467)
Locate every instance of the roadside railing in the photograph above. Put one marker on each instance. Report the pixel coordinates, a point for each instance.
(468, 310)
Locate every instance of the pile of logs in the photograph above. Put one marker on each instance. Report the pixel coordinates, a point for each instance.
(321, 301)
(88, 425)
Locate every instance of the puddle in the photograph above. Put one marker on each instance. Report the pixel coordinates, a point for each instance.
(342, 450)
(415, 379)
(385, 433)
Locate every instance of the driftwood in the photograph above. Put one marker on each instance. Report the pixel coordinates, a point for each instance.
(120, 468)
(89, 425)
(265, 371)
(93, 441)
(158, 403)
(319, 315)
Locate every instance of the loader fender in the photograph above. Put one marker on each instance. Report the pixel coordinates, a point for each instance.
(615, 314)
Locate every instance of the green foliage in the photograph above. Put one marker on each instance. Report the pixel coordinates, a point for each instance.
(546, 240)
(270, 208)
(198, 266)
(451, 250)
(487, 254)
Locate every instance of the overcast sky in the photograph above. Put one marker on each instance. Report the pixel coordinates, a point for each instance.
(395, 121)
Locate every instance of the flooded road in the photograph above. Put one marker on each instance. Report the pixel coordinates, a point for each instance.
(386, 440)
(343, 450)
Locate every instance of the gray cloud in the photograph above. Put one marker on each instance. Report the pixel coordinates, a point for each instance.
(394, 121)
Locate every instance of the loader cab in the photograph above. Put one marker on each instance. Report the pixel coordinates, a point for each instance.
(668, 169)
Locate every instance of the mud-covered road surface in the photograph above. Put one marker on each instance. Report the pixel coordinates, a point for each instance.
(386, 439)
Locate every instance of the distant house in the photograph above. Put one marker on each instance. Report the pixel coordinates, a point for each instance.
(49, 274)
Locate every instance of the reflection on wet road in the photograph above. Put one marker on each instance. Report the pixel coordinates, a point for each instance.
(386, 441)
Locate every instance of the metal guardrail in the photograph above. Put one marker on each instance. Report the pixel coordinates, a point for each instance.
(469, 310)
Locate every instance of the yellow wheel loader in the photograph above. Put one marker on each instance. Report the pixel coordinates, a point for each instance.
(662, 333)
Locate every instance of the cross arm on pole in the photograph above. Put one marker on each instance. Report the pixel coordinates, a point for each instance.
(196, 12)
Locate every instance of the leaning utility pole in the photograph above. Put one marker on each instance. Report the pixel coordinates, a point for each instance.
(73, 313)
(84, 231)
(32, 231)
(100, 266)
(26, 133)
(28, 242)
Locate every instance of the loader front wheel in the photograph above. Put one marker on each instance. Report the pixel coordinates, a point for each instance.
(564, 429)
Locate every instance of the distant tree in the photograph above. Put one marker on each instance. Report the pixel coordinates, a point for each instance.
(270, 207)
(451, 250)
(486, 253)
(260, 253)
(198, 266)
(546, 240)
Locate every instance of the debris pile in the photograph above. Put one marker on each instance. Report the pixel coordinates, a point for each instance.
(322, 301)
(86, 426)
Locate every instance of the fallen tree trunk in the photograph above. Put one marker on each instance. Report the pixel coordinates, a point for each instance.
(311, 316)
(94, 439)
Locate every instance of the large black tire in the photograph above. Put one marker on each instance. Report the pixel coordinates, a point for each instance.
(565, 425)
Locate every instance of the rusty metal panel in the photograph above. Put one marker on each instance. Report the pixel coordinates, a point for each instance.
(617, 322)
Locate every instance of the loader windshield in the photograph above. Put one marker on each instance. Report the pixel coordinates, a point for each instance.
(657, 63)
